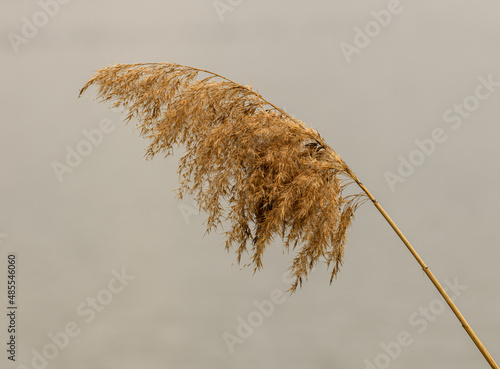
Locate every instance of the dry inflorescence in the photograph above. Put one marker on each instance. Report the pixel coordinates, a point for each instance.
(247, 162)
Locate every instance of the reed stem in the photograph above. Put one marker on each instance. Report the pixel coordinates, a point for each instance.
(431, 276)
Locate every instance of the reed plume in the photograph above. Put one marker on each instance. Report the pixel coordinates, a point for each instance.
(248, 163)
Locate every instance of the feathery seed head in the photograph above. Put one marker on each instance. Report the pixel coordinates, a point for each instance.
(276, 176)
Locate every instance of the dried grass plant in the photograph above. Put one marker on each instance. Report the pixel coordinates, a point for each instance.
(277, 176)
(248, 163)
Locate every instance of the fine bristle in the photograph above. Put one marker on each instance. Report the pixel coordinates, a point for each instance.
(246, 162)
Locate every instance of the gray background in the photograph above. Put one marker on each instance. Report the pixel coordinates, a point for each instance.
(117, 210)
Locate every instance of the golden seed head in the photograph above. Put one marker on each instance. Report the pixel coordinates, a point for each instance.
(247, 162)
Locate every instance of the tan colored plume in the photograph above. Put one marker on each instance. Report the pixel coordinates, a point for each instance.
(246, 161)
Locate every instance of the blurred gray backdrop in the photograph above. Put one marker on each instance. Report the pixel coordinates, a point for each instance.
(114, 273)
